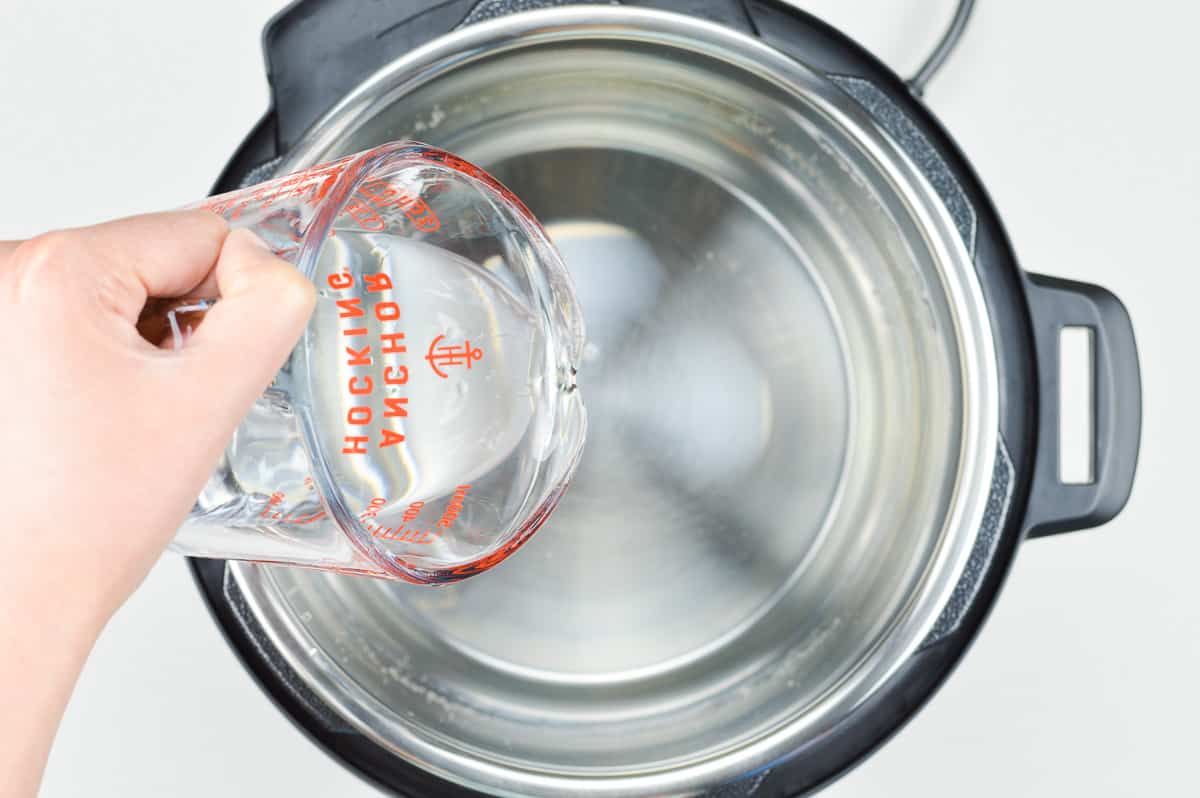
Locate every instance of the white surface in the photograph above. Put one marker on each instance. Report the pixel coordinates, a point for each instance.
(1080, 117)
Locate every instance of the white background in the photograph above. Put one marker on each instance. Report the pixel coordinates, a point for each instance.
(1081, 118)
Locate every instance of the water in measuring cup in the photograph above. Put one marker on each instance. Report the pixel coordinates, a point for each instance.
(419, 380)
(425, 374)
(423, 382)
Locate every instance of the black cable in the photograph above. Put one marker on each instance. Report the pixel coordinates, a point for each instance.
(933, 63)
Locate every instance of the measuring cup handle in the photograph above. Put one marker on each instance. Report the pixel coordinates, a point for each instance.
(178, 317)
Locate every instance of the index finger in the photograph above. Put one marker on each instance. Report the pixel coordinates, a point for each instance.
(157, 254)
(6, 249)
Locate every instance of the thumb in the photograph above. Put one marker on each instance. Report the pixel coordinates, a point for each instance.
(246, 337)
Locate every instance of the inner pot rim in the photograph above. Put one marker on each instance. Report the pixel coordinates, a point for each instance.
(980, 390)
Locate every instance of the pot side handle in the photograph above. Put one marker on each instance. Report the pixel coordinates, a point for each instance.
(1117, 406)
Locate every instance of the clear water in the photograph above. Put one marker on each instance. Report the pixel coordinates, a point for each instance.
(421, 380)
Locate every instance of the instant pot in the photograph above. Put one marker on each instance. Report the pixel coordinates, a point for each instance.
(823, 405)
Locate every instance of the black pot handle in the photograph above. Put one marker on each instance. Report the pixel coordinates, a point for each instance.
(318, 50)
(1053, 506)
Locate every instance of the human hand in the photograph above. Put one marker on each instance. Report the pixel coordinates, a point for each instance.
(106, 438)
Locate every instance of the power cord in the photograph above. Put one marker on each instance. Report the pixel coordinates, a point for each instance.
(937, 58)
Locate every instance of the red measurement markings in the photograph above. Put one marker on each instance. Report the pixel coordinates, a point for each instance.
(383, 196)
(310, 186)
(454, 507)
(373, 508)
(451, 355)
(531, 525)
(271, 514)
(276, 498)
(468, 168)
(412, 512)
(360, 352)
(402, 533)
(366, 217)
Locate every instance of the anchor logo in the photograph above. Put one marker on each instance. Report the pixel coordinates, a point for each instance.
(450, 355)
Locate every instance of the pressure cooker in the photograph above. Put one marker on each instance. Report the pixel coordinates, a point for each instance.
(823, 405)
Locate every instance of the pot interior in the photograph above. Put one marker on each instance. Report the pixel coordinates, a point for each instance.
(774, 382)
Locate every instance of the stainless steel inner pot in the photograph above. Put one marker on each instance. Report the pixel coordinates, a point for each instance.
(792, 405)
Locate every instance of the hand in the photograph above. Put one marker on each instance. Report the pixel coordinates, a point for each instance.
(107, 439)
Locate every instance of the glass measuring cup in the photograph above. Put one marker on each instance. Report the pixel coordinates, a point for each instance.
(427, 423)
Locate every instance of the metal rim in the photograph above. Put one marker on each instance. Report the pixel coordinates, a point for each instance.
(980, 394)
